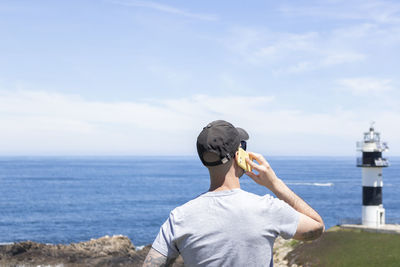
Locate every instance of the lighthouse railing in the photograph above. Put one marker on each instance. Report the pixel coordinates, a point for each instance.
(381, 162)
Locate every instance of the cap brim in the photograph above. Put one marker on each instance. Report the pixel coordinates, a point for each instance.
(243, 134)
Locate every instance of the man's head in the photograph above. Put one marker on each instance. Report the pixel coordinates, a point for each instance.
(218, 142)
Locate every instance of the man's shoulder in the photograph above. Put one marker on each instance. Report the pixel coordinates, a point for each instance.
(253, 195)
(190, 205)
(258, 198)
(192, 202)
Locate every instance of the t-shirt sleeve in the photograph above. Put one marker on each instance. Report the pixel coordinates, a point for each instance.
(165, 240)
(285, 218)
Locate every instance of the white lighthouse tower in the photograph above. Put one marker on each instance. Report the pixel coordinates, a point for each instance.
(371, 163)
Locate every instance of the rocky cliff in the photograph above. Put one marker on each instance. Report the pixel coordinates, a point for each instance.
(105, 251)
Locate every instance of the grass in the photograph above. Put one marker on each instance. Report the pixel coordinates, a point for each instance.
(340, 247)
(292, 243)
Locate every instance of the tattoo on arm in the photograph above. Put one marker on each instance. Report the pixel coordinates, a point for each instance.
(156, 259)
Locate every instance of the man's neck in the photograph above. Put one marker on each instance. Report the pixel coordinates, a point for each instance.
(228, 182)
(223, 188)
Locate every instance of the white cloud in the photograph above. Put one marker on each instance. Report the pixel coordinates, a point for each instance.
(367, 30)
(366, 85)
(341, 58)
(372, 10)
(293, 53)
(42, 121)
(260, 46)
(35, 122)
(165, 8)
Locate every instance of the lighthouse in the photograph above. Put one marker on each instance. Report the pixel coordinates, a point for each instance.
(371, 163)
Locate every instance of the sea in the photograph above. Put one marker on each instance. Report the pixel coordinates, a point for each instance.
(73, 199)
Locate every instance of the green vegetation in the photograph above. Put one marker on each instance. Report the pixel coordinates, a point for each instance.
(292, 243)
(340, 247)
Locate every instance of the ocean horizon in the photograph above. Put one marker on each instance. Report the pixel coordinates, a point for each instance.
(64, 199)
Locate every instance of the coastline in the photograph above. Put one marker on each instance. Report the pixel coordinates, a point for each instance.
(105, 251)
(352, 247)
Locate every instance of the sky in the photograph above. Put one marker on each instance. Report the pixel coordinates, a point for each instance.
(133, 77)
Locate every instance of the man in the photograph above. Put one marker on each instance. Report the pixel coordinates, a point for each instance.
(227, 226)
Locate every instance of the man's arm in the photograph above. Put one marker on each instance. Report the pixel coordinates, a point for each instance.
(155, 259)
(311, 225)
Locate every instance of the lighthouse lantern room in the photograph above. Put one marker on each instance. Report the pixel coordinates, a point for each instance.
(371, 163)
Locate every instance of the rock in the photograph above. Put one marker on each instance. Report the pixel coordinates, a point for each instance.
(105, 251)
(282, 248)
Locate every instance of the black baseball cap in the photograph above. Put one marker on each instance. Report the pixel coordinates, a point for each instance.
(221, 138)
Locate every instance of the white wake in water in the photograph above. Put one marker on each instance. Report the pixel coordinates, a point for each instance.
(310, 184)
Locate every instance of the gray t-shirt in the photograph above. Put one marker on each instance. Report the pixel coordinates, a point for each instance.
(226, 228)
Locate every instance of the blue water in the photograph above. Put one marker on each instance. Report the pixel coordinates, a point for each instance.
(72, 199)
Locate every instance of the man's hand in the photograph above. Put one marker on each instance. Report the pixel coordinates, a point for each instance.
(311, 225)
(266, 175)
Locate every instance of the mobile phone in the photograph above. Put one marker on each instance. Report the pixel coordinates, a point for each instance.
(241, 160)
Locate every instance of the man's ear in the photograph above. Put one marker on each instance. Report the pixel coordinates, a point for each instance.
(236, 160)
(236, 156)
